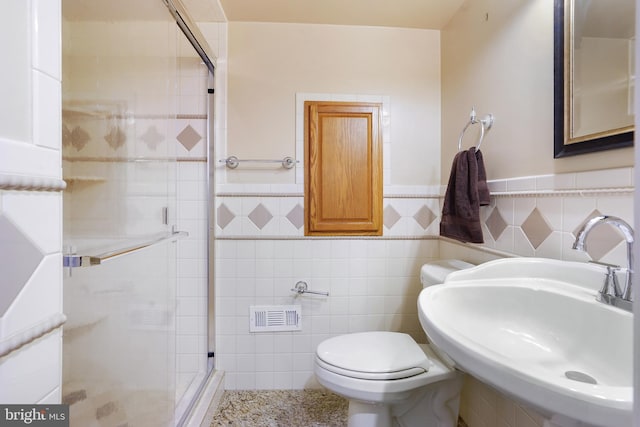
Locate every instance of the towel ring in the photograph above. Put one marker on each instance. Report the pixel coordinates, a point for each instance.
(486, 123)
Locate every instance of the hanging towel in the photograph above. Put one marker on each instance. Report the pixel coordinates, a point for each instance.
(466, 191)
(483, 188)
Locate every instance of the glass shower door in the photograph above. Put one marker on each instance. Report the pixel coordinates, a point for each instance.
(120, 104)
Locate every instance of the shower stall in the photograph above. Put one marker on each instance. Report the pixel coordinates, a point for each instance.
(137, 95)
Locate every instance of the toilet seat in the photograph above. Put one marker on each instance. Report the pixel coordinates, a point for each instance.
(373, 356)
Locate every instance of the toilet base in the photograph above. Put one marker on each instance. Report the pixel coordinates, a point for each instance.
(435, 405)
(369, 415)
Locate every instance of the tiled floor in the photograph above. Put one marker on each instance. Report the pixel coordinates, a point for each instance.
(282, 408)
(279, 408)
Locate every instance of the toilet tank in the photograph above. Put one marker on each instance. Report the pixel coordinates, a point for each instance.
(434, 273)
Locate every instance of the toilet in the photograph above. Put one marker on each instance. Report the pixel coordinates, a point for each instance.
(388, 378)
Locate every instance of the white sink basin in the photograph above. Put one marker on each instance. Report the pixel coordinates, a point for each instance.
(533, 329)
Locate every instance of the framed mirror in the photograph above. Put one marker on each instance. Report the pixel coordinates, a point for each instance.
(594, 76)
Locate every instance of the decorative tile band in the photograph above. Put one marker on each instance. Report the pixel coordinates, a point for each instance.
(31, 183)
(526, 223)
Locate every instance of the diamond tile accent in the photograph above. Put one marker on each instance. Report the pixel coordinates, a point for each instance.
(224, 216)
(602, 239)
(116, 137)
(496, 224)
(296, 216)
(425, 217)
(79, 138)
(536, 228)
(391, 216)
(189, 137)
(152, 137)
(260, 216)
(19, 258)
(66, 136)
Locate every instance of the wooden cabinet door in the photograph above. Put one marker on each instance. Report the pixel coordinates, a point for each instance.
(343, 168)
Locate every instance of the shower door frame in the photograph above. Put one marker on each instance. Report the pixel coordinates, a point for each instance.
(197, 40)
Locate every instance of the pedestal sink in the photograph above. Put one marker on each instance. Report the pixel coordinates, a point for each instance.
(532, 328)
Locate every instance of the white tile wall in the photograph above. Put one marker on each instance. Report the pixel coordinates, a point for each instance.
(33, 373)
(373, 285)
(192, 282)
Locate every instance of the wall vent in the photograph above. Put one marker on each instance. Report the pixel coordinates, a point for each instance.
(274, 318)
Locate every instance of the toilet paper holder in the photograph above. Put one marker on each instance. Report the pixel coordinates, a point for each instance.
(302, 288)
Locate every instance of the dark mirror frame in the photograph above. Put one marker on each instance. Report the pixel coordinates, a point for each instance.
(560, 148)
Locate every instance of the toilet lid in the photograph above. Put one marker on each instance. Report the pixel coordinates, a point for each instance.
(373, 355)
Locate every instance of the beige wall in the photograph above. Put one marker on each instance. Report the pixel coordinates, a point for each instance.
(269, 63)
(498, 56)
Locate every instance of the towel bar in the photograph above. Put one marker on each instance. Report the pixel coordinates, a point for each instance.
(74, 260)
(232, 162)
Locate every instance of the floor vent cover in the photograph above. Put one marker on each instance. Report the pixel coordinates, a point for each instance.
(273, 318)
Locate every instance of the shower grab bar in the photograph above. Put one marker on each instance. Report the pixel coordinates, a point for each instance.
(74, 260)
(232, 162)
(32, 333)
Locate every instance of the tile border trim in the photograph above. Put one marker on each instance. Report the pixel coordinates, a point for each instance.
(255, 237)
(20, 339)
(278, 195)
(565, 193)
(31, 183)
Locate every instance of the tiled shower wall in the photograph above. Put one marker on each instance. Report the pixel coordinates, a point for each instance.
(30, 218)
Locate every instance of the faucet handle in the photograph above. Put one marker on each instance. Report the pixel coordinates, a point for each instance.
(614, 286)
(604, 264)
(611, 286)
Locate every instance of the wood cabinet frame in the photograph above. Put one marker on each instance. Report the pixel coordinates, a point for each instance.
(343, 168)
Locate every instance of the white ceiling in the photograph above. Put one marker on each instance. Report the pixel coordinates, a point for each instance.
(616, 15)
(429, 14)
(138, 10)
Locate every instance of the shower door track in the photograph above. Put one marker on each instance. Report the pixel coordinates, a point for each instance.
(192, 33)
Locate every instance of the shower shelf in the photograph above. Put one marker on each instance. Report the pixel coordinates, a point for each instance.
(73, 180)
(125, 248)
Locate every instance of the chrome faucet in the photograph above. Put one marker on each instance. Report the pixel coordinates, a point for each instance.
(610, 292)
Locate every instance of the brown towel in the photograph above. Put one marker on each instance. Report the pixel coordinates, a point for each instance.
(483, 189)
(466, 192)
